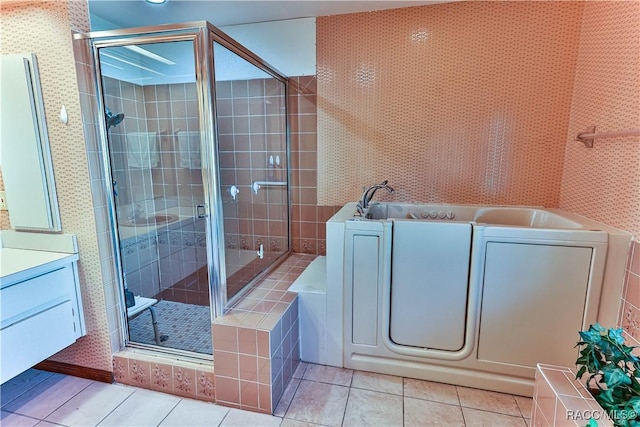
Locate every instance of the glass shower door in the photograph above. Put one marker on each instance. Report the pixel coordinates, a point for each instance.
(251, 117)
(153, 133)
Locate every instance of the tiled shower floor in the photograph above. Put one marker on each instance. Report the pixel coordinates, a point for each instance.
(318, 395)
(186, 326)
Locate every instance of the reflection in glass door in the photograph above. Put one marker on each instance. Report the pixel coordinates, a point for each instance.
(152, 115)
(252, 149)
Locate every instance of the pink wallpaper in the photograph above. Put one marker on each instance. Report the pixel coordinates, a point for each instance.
(463, 102)
(44, 28)
(603, 183)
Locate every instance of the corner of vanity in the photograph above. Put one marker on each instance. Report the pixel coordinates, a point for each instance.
(41, 306)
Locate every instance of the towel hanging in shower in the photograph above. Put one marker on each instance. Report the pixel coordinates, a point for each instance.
(189, 144)
(142, 150)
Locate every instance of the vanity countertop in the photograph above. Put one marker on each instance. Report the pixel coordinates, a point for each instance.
(17, 265)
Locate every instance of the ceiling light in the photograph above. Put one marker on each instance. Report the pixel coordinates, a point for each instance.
(149, 54)
(156, 1)
(130, 63)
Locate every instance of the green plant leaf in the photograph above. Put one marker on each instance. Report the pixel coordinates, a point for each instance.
(616, 335)
(592, 423)
(634, 404)
(614, 376)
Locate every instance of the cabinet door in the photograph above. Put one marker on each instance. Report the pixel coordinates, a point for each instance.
(533, 303)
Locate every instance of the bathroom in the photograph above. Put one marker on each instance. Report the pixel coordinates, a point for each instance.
(467, 117)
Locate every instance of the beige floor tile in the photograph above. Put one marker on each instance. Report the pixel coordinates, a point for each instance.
(195, 413)
(49, 395)
(377, 382)
(21, 383)
(524, 404)
(371, 408)
(16, 420)
(286, 398)
(142, 408)
(420, 413)
(299, 372)
(238, 418)
(488, 401)
(474, 417)
(91, 405)
(288, 422)
(319, 403)
(328, 374)
(428, 390)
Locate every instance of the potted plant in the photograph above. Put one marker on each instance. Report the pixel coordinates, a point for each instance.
(614, 373)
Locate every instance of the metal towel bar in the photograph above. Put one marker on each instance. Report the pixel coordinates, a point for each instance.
(258, 184)
(590, 135)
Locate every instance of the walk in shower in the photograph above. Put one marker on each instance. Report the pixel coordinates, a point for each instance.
(194, 142)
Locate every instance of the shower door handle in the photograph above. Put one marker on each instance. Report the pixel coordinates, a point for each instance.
(201, 211)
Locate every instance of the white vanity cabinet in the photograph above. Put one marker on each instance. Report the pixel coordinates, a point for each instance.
(40, 307)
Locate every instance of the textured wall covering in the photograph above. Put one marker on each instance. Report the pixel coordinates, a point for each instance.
(44, 28)
(465, 102)
(603, 183)
(4, 215)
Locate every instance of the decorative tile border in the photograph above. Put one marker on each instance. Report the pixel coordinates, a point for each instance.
(155, 372)
(561, 400)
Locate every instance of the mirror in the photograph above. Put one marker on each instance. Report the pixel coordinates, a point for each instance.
(26, 159)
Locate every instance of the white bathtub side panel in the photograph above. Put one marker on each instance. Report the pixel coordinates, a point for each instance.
(335, 264)
(533, 303)
(313, 327)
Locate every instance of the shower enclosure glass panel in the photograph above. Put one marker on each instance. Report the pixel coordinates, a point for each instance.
(152, 116)
(251, 116)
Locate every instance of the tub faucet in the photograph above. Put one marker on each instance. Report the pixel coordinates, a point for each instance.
(367, 195)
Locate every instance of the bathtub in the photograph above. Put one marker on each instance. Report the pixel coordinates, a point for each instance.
(470, 295)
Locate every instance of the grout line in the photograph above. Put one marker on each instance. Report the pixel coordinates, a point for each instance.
(168, 413)
(119, 404)
(344, 414)
(26, 416)
(79, 391)
(44, 374)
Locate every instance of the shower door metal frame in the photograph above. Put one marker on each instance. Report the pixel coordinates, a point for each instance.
(218, 36)
(202, 34)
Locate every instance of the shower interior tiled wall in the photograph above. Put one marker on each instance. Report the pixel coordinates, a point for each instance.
(167, 263)
(251, 148)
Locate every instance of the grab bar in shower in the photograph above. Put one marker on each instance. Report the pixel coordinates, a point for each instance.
(590, 135)
(258, 184)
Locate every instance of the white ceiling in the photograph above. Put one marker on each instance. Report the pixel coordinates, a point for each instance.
(138, 13)
(289, 32)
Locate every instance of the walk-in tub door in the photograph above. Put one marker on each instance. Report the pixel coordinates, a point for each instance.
(429, 284)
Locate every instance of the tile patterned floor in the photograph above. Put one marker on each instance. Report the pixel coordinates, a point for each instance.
(186, 326)
(317, 396)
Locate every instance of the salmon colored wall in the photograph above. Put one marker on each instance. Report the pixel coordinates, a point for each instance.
(463, 102)
(603, 183)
